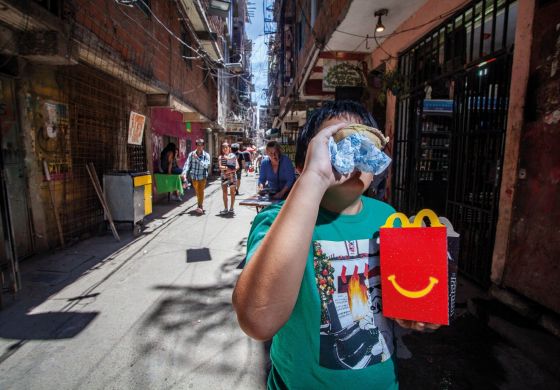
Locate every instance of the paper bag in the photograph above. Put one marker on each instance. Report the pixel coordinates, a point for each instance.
(414, 269)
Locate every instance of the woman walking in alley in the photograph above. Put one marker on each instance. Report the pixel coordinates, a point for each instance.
(196, 168)
(228, 167)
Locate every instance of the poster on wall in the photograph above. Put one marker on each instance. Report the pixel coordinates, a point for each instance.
(341, 74)
(51, 119)
(182, 149)
(52, 140)
(136, 128)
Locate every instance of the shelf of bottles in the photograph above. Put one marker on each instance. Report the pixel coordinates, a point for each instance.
(433, 161)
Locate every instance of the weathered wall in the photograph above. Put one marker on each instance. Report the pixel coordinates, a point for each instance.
(518, 88)
(39, 85)
(89, 124)
(531, 265)
(146, 44)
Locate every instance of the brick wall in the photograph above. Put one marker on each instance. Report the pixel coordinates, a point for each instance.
(148, 49)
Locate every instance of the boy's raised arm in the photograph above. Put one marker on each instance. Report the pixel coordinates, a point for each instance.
(267, 289)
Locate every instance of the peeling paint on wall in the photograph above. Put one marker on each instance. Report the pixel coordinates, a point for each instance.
(532, 265)
(552, 118)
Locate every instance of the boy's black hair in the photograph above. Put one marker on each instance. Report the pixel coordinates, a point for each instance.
(329, 110)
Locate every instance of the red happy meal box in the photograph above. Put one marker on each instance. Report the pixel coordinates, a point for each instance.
(415, 277)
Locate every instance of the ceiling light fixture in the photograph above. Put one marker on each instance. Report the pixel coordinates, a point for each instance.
(379, 27)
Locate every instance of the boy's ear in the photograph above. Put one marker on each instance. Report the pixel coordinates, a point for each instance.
(299, 169)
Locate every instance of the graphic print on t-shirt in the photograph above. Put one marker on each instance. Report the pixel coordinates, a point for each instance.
(353, 331)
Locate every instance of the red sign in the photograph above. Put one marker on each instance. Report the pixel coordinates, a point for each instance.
(414, 269)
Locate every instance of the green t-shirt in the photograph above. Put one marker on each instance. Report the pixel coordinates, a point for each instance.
(336, 337)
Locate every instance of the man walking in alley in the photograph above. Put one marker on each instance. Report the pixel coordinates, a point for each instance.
(196, 169)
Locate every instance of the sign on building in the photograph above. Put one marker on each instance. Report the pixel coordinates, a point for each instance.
(136, 128)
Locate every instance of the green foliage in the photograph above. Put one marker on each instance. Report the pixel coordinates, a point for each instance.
(393, 81)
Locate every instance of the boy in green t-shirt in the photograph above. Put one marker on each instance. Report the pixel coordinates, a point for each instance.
(312, 276)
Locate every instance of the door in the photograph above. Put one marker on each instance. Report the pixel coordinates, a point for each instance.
(14, 170)
(477, 146)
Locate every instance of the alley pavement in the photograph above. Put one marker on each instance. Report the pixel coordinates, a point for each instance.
(154, 312)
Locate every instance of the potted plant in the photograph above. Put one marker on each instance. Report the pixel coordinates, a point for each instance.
(393, 81)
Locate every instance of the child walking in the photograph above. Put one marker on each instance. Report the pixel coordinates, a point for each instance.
(311, 282)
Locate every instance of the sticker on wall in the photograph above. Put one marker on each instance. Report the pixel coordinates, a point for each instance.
(136, 128)
(51, 124)
(188, 127)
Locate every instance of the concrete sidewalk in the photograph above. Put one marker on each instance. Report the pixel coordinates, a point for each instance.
(152, 312)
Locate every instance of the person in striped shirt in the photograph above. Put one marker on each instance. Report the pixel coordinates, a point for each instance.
(196, 169)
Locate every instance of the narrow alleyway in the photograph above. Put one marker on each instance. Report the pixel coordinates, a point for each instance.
(154, 312)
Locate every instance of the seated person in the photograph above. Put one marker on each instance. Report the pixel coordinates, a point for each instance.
(169, 165)
(276, 172)
(168, 160)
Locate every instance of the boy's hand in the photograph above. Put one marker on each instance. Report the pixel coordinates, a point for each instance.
(415, 325)
(318, 160)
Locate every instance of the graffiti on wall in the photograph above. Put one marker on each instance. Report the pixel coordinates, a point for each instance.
(182, 149)
(157, 147)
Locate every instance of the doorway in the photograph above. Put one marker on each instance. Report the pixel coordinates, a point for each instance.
(451, 126)
(13, 170)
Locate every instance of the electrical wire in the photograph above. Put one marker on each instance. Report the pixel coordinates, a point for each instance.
(169, 30)
(375, 37)
(209, 67)
(413, 28)
(201, 55)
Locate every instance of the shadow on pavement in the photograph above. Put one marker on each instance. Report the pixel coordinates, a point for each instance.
(201, 319)
(197, 255)
(46, 274)
(48, 326)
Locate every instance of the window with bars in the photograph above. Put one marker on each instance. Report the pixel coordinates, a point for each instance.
(451, 125)
(478, 31)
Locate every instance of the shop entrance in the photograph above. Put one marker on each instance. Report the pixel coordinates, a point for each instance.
(451, 125)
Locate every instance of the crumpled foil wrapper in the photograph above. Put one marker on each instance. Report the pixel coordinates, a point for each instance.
(357, 152)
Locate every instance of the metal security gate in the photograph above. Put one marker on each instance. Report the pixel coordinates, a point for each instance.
(450, 126)
(480, 116)
(99, 109)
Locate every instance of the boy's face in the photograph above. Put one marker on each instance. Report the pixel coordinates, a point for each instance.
(357, 182)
